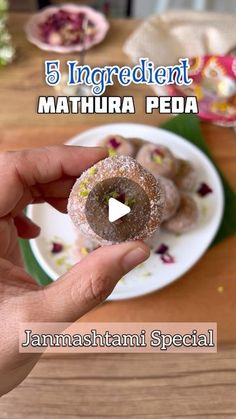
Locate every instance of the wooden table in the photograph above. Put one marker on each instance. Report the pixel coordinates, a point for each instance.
(124, 386)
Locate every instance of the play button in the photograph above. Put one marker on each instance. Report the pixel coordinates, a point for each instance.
(105, 214)
(116, 210)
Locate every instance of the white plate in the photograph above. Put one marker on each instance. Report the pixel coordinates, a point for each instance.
(186, 249)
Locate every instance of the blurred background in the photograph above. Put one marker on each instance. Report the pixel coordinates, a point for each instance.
(133, 8)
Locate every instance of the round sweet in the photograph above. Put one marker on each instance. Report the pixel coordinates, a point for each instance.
(124, 179)
(118, 146)
(85, 245)
(158, 160)
(185, 218)
(186, 176)
(137, 144)
(172, 198)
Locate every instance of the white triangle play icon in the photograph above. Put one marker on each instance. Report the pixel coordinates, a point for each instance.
(116, 210)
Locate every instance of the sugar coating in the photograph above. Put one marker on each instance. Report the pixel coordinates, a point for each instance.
(185, 218)
(113, 167)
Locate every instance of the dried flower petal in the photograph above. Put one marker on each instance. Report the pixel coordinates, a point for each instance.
(66, 27)
(204, 189)
(57, 247)
(121, 198)
(157, 156)
(167, 258)
(158, 152)
(162, 249)
(114, 143)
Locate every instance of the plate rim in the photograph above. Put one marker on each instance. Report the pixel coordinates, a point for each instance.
(45, 266)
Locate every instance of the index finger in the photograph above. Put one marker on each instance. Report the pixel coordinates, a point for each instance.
(22, 172)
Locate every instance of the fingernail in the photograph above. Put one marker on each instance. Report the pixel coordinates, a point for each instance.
(135, 257)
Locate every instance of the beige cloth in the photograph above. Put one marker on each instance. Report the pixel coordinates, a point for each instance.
(182, 33)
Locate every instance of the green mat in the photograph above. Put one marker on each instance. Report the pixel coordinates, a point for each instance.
(187, 126)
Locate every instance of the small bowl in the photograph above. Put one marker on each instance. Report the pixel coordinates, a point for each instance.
(33, 32)
(214, 85)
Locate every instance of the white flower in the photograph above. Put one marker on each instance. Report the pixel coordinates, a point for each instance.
(7, 53)
(4, 37)
(3, 20)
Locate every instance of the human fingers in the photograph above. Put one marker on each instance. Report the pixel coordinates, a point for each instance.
(90, 281)
(24, 174)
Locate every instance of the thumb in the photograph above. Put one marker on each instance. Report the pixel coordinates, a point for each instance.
(90, 281)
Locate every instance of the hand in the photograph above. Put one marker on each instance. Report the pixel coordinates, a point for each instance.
(47, 175)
